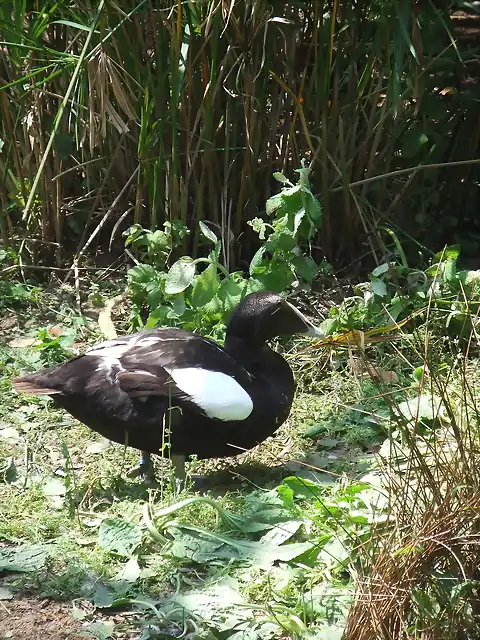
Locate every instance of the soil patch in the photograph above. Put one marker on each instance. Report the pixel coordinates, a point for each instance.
(35, 619)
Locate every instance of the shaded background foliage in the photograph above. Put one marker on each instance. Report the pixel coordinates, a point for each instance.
(183, 110)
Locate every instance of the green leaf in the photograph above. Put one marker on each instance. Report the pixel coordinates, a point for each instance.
(207, 232)
(303, 488)
(180, 276)
(313, 209)
(257, 260)
(283, 239)
(379, 287)
(425, 406)
(450, 271)
(413, 141)
(254, 285)
(278, 277)
(282, 532)
(142, 274)
(119, 536)
(281, 178)
(305, 267)
(327, 443)
(205, 287)
(381, 269)
(231, 291)
(178, 305)
(451, 252)
(103, 597)
(213, 310)
(27, 557)
(287, 202)
(202, 546)
(130, 572)
(314, 430)
(100, 630)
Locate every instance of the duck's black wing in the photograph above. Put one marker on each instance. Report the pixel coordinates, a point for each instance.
(185, 368)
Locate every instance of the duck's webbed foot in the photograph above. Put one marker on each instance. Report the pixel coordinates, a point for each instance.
(144, 470)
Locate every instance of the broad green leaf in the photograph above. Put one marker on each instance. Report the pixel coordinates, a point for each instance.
(379, 287)
(397, 306)
(103, 597)
(213, 309)
(178, 305)
(278, 277)
(425, 406)
(119, 536)
(207, 232)
(297, 221)
(203, 547)
(313, 209)
(102, 630)
(27, 557)
(231, 291)
(303, 488)
(289, 201)
(283, 239)
(157, 241)
(253, 285)
(282, 532)
(130, 572)
(206, 286)
(305, 267)
(142, 274)
(212, 602)
(381, 269)
(180, 276)
(327, 443)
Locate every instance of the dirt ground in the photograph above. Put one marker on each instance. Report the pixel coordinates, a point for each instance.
(34, 619)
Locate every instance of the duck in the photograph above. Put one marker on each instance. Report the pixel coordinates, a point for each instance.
(176, 393)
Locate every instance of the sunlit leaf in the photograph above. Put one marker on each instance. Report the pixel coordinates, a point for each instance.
(119, 536)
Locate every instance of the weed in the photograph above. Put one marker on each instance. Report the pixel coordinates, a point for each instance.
(201, 294)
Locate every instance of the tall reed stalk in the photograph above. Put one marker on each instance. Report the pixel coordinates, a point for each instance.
(187, 108)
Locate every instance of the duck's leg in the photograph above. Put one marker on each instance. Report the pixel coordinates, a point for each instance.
(144, 469)
(178, 464)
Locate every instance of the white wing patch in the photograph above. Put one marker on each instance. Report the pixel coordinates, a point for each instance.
(217, 394)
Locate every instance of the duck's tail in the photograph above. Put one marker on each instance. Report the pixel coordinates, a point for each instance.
(33, 385)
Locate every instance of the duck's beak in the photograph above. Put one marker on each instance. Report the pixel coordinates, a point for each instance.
(310, 329)
(315, 332)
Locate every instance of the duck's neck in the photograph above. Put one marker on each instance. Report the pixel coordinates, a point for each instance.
(239, 345)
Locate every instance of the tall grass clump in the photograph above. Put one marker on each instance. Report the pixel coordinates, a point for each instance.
(149, 112)
(417, 575)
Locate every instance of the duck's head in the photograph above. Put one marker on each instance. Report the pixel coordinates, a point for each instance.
(263, 315)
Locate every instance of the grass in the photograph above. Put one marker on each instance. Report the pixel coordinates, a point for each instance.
(307, 532)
